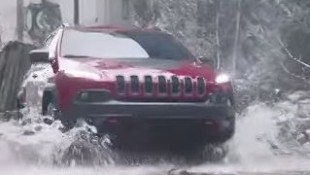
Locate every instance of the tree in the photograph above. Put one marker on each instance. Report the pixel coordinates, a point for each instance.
(237, 32)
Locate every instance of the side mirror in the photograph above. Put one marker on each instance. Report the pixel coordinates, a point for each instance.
(19, 104)
(39, 56)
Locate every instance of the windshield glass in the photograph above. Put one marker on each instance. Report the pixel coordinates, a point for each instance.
(122, 45)
(160, 45)
(101, 45)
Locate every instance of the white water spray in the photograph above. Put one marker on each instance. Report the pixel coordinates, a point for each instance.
(33, 147)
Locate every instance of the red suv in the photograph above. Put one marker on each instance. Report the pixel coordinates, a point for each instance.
(140, 86)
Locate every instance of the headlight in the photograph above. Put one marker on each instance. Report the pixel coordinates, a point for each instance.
(222, 78)
(83, 74)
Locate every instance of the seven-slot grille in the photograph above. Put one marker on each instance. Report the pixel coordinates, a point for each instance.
(161, 85)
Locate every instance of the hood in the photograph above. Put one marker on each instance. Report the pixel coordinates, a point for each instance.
(142, 66)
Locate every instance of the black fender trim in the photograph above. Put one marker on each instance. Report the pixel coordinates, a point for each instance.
(50, 94)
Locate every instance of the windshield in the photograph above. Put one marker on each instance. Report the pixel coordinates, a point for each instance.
(122, 45)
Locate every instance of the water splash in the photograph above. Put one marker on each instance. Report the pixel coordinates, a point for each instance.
(31, 141)
(268, 138)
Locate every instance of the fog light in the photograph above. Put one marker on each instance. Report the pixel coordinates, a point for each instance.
(225, 124)
(94, 96)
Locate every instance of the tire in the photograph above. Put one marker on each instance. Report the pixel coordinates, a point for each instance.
(214, 152)
(52, 110)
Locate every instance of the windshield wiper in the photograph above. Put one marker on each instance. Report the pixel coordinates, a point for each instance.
(75, 56)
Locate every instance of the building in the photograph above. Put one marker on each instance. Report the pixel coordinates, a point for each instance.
(113, 11)
(97, 11)
(91, 12)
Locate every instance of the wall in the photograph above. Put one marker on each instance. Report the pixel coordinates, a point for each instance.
(14, 63)
(7, 19)
(118, 12)
(103, 11)
(111, 12)
(87, 13)
(91, 12)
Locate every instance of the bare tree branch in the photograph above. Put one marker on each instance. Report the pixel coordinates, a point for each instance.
(293, 75)
(291, 55)
(304, 65)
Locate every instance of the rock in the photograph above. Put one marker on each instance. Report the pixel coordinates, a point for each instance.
(175, 171)
(26, 121)
(306, 146)
(185, 172)
(11, 115)
(23, 123)
(28, 133)
(38, 128)
(301, 139)
(308, 133)
(48, 121)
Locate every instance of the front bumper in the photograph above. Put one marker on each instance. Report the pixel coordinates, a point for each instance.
(152, 123)
(149, 110)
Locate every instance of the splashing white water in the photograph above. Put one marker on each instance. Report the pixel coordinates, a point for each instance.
(257, 145)
(33, 147)
(33, 142)
(253, 126)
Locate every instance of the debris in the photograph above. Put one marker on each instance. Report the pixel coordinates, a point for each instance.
(28, 133)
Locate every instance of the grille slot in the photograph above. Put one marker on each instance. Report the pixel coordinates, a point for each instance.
(162, 84)
(121, 85)
(188, 85)
(201, 86)
(175, 85)
(148, 84)
(134, 84)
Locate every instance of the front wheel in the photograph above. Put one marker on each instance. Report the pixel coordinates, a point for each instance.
(210, 153)
(52, 111)
(215, 152)
(55, 113)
